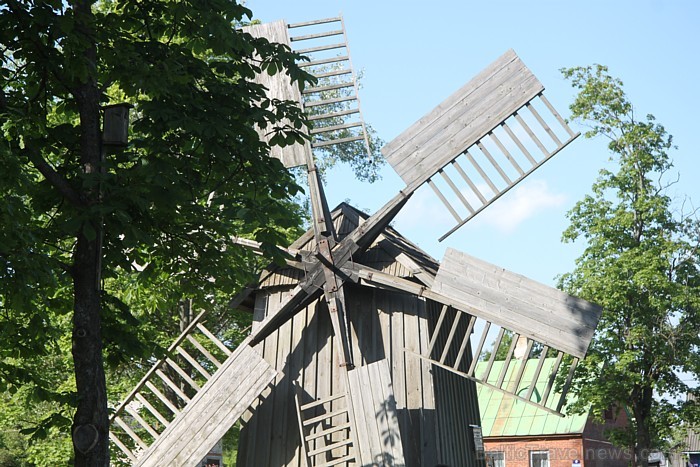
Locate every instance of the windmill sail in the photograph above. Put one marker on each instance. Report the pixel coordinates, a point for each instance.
(482, 140)
(332, 104)
(487, 302)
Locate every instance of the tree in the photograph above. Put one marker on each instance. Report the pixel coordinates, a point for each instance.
(640, 264)
(77, 215)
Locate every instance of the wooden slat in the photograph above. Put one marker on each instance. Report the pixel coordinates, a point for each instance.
(317, 35)
(492, 358)
(122, 447)
(506, 153)
(321, 401)
(335, 100)
(195, 364)
(485, 177)
(214, 339)
(531, 134)
(493, 162)
(172, 364)
(469, 181)
(142, 422)
(557, 116)
(340, 460)
(506, 362)
(479, 348)
(204, 351)
(567, 385)
(328, 74)
(172, 385)
(465, 342)
(456, 191)
(127, 429)
(538, 370)
(330, 447)
(152, 409)
(162, 397)
(444, 200)
(334, 114)
(450, 336)
(375, 414)
(279, 86)
(515, 302)
(337, 141)
(313, 22)
(331, 430)
(330, 87)
(521, 368)
(552, 378)
(328, 129)
(324, 416)
(212, 411)
(320, 48)
(436, 331)
(544, 125)
(462, 119)
(323, 61)
(518, 143)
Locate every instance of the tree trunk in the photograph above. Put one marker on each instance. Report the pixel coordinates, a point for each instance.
(642, 411)
(91, 421)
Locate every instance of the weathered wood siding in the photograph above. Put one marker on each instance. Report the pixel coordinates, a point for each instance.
(433, 408)
(279, 87)
(462, 119)
(515, 302)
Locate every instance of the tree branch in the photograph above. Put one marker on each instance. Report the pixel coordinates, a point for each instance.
(53, 177)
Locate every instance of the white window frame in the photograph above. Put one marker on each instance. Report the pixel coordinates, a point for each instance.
(502, 459)
(539, 452)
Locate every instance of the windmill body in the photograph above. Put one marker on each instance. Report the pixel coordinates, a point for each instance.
(364, 349)
(433, 407)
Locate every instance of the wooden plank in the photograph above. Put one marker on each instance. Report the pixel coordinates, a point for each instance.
(506, 153)
(122, 447)
(134, 413)
(192, 361)
(313, 22)
(152, 409)
(538, 370)
(544, 125)
(469, 181)
(212, 411)
(479, 348)
(214, 339)
(162, 397)
(493, 162)
(475, 164)
(518, 143)
(461, 120)
(457, 191)
(204, 351)
(444, 200)
(127, 429)
(391, 433)
(531, 134)
(279, 86)
(520, 304)
(552, 377)
(172, 386)
(451, 335)
(554, 112)
(178, 369)
(515, 384)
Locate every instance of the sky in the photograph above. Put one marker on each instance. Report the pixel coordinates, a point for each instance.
(414, 54)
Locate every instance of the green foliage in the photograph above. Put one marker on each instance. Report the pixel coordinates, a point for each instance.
(194, 176)
(640, 264)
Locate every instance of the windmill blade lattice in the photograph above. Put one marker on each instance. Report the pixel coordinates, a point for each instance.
(478, 144)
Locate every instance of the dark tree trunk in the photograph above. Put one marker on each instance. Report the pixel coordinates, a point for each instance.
(642, 412)
(91, 421)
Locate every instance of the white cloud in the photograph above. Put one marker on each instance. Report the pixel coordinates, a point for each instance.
(524, 202)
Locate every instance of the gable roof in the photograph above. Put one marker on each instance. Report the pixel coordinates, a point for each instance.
(391, 252)
(502, 415)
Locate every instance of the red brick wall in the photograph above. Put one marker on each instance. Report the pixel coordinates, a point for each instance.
(562, 451)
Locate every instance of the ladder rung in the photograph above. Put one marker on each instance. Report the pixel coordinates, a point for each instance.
(320, 48)
(328, 431)
(337, 141)
(324, 61)
(333, 114)
(337, 32)
(318, 402)
(325, 416)
(330, 447)
(338, 461)
(329, 101)
(343, 71)
(314, 22)
(328, 129)
(330, 87)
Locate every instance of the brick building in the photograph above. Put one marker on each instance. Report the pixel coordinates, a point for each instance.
(517, 434)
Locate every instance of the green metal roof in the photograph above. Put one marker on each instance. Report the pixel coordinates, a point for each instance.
(502, 415)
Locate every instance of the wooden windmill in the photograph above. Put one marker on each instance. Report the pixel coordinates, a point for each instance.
(361, 351)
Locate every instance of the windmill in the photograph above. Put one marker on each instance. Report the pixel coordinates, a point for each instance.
(361, 352)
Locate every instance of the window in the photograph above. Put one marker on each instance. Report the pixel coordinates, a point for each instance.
(539, 458)
(495, 459)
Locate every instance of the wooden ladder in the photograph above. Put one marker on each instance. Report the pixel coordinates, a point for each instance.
(187, 400)
(325, 426)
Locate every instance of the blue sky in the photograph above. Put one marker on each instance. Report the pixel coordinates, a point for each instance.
(415, 54)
